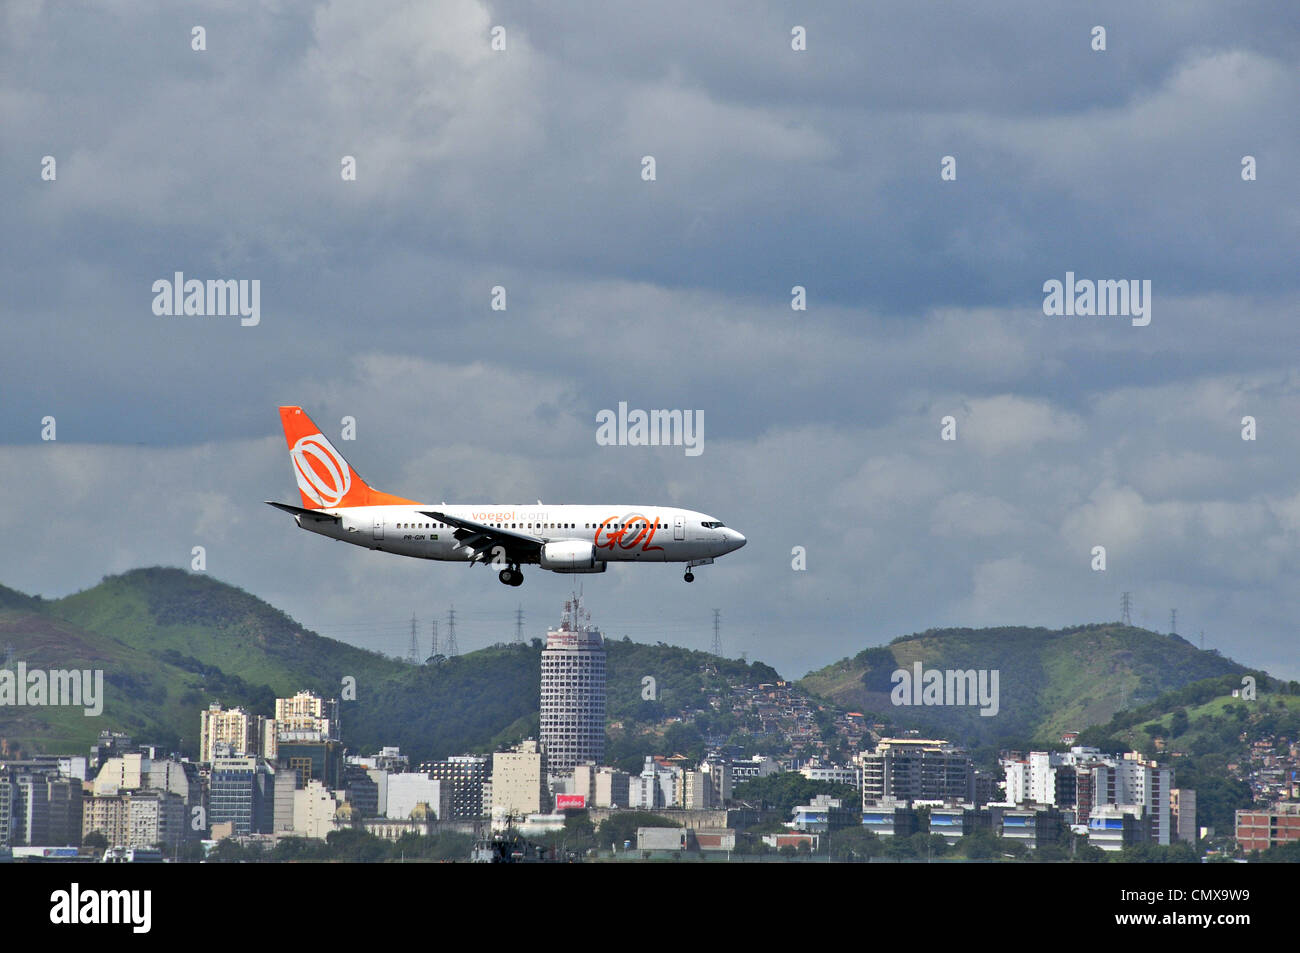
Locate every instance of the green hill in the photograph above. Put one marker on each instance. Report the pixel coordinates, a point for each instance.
(1212, 739)
(171, 642)
(1050, 681)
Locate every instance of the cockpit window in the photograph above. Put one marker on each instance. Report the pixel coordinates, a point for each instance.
(711, 524)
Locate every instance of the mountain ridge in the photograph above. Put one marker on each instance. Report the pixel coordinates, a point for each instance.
(171, 642)
(1051, 680)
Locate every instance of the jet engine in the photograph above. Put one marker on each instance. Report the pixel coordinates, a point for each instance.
(570, 555)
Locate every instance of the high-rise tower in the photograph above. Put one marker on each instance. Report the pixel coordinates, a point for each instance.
(573, 691)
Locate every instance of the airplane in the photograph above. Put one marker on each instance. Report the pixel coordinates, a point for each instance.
(565, 538)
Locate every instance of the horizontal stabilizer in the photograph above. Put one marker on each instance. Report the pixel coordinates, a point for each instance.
(316, 515)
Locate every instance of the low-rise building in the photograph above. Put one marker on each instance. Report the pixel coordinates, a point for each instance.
(661, 838)
(519, 780)
(406, 791)
(315, 810)
(1182, 809)
(953, 823)
(714, 838)
(1262, 828)
(823, 814)
(464, 776)
(612, 788)
(421, 822)
(891, 819)
(1112, 827)
(1033, 828)
(139, 818)
(836, 773)
(794, 840)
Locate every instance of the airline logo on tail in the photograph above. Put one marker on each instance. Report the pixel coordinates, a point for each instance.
(324, 477)
(325, 481)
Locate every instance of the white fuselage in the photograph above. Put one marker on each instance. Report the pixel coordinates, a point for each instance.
(618, 533)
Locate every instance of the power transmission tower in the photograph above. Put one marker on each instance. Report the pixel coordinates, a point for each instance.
(413, 653)
(519, 626)
(717, 637)
(1125, 605)
(1173, 621)
(434, 627)
(452, 647)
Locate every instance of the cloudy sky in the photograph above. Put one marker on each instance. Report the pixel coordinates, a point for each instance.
(774, 168)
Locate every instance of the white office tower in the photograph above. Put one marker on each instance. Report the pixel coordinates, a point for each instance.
(573, 691)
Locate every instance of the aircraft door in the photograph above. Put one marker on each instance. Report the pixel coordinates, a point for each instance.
(379, 528)
(679, 527)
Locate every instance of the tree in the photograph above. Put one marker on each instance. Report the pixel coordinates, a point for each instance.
(683, 738)
(786, 790)
(1050, 853)
(578, 835)
(297, 848)
(855, 843)
(1178, 723)
(95, 839)
(980, 845)
(356, 846)
(228, 851)
(190, 852)
(900, 848)
(621, 826)
(1179, 853)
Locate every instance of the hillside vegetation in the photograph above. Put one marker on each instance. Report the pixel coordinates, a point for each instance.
(171, 642)
(1050, 681)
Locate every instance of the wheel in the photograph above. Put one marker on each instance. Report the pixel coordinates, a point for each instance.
(689, 577)
(507, 577)
(516, 578)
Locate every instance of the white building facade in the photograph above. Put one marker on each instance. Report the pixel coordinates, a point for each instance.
(573, 692)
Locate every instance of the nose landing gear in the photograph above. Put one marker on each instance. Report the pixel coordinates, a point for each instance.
(690, 576)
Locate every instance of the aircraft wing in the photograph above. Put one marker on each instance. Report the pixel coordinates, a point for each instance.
(316, 515)
(483, 538)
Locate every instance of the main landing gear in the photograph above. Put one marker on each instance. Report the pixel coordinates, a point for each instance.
(511, 576)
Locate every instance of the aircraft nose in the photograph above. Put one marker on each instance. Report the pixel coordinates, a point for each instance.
(735, 539)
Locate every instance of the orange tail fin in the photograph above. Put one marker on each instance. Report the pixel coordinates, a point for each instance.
(325, 479)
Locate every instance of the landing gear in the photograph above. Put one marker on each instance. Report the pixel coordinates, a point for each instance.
(690, 576)
(511, 576)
